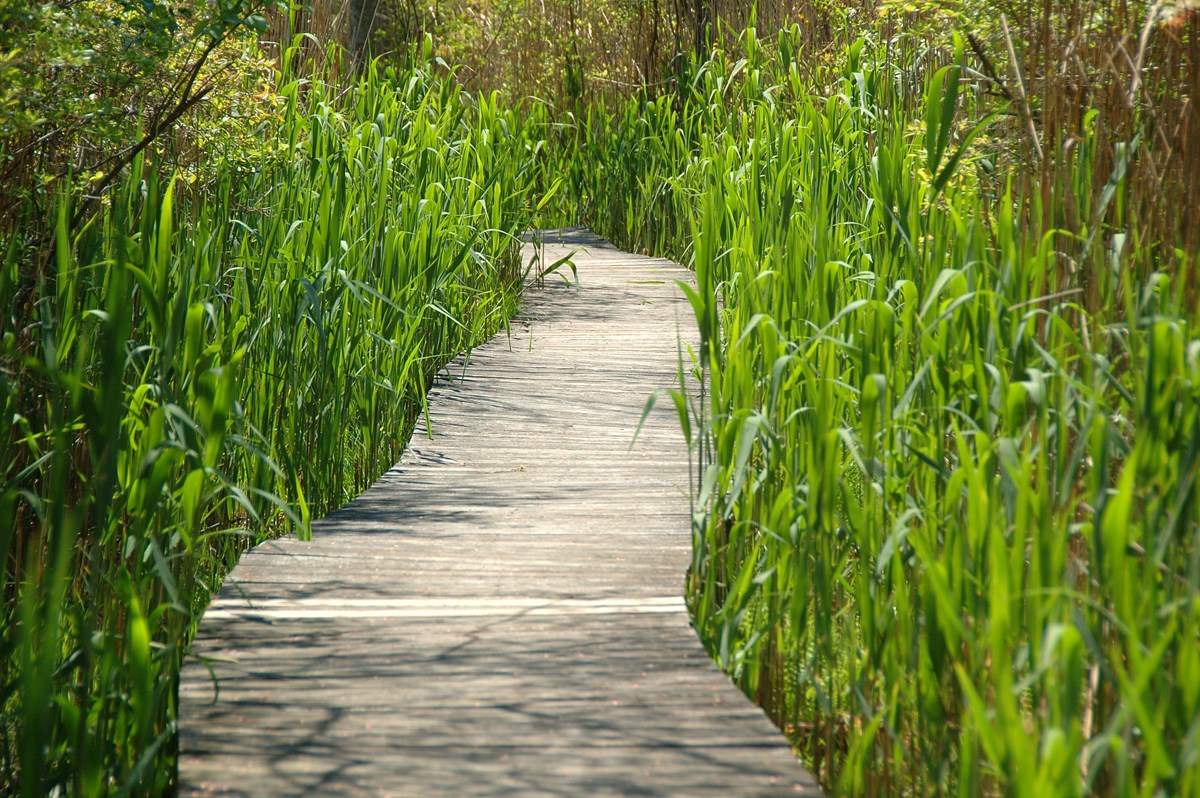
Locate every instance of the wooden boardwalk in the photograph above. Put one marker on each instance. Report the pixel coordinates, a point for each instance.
(500, 615)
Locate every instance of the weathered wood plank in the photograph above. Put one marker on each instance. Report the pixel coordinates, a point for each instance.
(502, 614)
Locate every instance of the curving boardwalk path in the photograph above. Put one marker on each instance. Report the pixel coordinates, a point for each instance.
(501, 614)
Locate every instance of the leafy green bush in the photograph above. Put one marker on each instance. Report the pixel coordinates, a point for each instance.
(88, 85)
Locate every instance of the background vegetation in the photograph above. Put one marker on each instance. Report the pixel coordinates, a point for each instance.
(944, 412)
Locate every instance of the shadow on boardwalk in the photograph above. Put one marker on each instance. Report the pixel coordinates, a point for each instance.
(500, 615)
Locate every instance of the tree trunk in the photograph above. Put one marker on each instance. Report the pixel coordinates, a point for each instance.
(702, 10)
(363, 15)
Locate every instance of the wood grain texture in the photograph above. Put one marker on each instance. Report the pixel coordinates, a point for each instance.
(501, 614)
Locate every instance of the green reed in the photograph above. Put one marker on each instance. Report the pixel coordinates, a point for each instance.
(946, 515)
(201, 367)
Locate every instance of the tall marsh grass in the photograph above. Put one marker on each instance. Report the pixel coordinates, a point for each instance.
(199, 367)
(946, 515)
(945, 409)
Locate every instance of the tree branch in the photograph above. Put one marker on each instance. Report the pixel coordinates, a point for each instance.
(989, 70)
(158, 125)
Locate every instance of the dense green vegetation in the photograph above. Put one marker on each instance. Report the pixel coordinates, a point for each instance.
(200, 367)
(947, 458)
(945, 411)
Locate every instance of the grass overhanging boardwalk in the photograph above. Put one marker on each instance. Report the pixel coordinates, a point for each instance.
(502, 613)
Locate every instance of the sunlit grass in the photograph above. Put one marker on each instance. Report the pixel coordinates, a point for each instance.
(946, 517)
(204, 367)
(946, 458)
